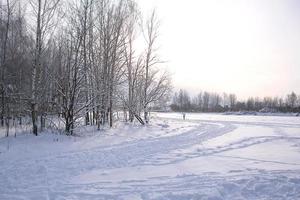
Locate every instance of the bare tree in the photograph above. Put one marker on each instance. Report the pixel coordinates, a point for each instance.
(44, 13)
(291, 99)
(70, 80)
(232, 101)
(4, 39)
(133, 65)
(155, 84)
(87, 69)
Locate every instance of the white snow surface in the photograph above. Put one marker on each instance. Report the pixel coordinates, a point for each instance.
(206, 156)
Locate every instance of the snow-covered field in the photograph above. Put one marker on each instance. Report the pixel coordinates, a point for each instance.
(207, 156)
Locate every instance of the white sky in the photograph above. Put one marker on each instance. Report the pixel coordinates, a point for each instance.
(248, 47)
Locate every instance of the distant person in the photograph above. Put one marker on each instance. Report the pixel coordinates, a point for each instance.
(183, 115)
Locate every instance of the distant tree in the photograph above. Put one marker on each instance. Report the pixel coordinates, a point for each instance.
(232, 101)
(225, 100)
(240, 106)
(275, 103)
(184, 101)
(206, 98)
(198, 102)
(250, 103)
(213, 102)
(267, 101)
(291, 100)
(298, 101)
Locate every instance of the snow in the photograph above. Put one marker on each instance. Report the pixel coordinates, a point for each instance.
(206, 156)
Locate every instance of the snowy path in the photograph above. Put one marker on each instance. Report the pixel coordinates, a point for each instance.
(171, 159)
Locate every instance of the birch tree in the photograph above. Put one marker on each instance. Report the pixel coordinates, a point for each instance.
(156, 82)
(5, 25)
(84, 71)
(134, 64)
(44, 13)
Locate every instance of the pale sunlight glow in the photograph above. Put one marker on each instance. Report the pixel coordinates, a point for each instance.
(249, 47)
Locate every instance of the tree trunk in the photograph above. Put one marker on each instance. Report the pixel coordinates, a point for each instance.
(110, 113)
(7, 121)
(68, 127)
(3, 107)
(36, 64)
(7, 126)
(131, 116)
(98, 117)
(34, 118)
(4, 62)
(42, 122)
(125, 115)
(146, 116)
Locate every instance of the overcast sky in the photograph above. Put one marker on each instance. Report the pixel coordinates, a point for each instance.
(248, 47)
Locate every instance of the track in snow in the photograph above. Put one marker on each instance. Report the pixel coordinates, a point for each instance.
(85, 174)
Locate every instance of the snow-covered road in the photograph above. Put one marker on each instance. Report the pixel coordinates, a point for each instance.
(207, 156)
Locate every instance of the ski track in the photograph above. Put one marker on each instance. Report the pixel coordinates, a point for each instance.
(258, 186)
(176, 157)
(48, 177)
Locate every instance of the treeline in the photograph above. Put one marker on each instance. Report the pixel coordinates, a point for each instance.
(81, 60)
(214, 102)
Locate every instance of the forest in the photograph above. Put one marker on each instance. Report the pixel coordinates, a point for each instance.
(79, 60)
(214, 102)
